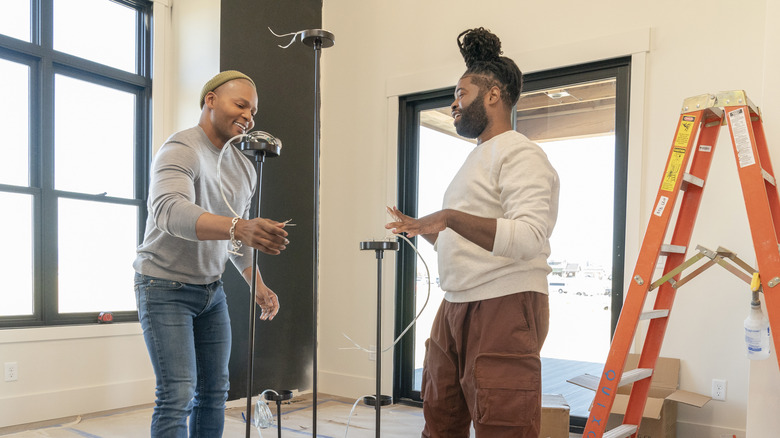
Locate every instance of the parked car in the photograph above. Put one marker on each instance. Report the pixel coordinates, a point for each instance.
(559, 284)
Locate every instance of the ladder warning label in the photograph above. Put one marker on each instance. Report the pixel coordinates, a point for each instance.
(684, 133)
(742, 143)
(659, 209)
(673, 169)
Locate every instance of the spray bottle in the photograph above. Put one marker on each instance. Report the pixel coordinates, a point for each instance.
(757, 326)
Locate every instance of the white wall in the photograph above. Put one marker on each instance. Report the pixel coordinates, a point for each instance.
(383, 49)
(186, 56)
(65, 371)
(764, 389)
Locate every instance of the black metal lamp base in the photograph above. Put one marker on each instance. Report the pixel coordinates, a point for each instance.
(259, 142)
(379, 245)
(279, 396)
(384, 400)
(310, 37)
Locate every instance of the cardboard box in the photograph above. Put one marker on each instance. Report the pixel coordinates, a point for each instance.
(555, 417)
(659, 419)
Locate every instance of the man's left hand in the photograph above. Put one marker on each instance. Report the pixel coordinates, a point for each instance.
(268, 302)
(431, 224)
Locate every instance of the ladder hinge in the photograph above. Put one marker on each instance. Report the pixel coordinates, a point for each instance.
(707, 252)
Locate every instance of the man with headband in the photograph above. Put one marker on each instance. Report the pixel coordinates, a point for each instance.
(189, 231)
(482, 360)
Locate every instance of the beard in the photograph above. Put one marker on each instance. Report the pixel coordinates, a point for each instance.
(473, 119)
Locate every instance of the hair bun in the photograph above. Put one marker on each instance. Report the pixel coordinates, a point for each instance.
(479, 45)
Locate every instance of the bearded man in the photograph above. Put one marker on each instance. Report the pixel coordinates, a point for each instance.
(482, 362)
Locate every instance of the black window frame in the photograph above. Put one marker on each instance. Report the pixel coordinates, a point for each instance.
(409, 107)
(45, 64)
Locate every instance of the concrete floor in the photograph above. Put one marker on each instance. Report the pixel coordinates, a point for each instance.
(333, 413)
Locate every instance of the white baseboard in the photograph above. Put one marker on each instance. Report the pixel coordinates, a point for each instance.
(349, 386)
(31, 408)
(685, 430)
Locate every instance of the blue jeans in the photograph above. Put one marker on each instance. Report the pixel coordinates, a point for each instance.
(187, 333)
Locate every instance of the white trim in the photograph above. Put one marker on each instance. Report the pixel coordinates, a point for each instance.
(43, 406)
(611, 46)
(635, 178)
(685, 429)
(162, 40)
(59, 333)
(351, 385)
(391, 157)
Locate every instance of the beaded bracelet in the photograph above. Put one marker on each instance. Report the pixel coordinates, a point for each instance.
(235, 243)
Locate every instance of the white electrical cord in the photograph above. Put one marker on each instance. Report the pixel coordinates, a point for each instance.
(349, 418)
(219, 171)
(252, 136)
(428, 273)
(294, 35)
(263, 418)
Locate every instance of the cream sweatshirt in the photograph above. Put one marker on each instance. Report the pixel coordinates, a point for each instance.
(509, 178)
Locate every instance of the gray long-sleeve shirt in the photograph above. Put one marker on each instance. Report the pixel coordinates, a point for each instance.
(184, 185)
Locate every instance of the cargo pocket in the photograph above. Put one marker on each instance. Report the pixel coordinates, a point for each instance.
(508, 389)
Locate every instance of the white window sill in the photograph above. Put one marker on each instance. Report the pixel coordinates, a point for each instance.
(38, 334)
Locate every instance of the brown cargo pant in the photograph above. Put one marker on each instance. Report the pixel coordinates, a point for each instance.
(482, 364)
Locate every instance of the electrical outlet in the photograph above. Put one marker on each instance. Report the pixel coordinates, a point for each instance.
(372, 352)
(719, 389)
(11, 371)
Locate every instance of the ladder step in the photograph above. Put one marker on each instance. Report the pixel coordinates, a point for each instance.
(672, 249)
(768, 177)
(690, 179)
(592, 382)
(653, 314)
(622, 431)
(586, 381)
(635, 375)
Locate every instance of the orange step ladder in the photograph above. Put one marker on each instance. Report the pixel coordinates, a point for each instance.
(685, 174)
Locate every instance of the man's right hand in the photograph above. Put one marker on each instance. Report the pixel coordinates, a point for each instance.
(265, 235)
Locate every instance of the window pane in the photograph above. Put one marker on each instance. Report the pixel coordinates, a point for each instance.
(15, 19)
(96, 251)
(93, 138)
(575, 126)
(14, 123)
(16, 260)
(109, 40)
